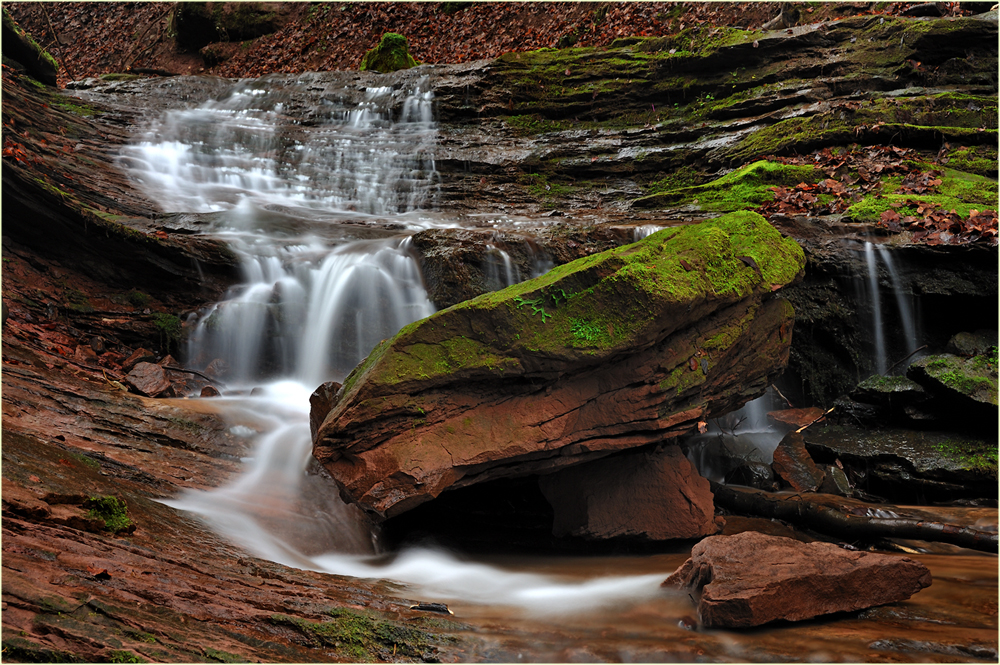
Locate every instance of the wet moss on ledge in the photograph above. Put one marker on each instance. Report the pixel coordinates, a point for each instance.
(744, 188)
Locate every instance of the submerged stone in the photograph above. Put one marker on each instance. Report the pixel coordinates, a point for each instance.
(609, 352)
(751, 579)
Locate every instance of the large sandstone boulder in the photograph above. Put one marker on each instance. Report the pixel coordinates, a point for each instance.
(609, 352)
(751, 578)
(645, 495)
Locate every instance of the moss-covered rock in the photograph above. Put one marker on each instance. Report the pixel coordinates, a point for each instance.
(607, 352)
(391, 54)
(21, 48)
(968, 381)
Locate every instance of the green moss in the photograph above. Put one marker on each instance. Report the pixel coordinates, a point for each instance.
(959, 191)
(745, 188)
(118, 76)
(981, 160)
(223, 656)
(169, 328)
(77, 108)
(112, 510)
(533, 123)
(391, 54)
(141, 636)
(972, 455)
(83, 459)
(137, 298)
(885, 384)
(121, 656)
(361, 636)
(974, 377)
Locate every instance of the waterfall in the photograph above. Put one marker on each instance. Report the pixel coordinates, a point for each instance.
(497, 260)
(907, 322)
(275, 166)
(878, 332)
(906, 317)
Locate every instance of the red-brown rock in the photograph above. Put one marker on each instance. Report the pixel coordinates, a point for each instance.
(140, 355)
(650, 495)
(150, 380)
(210, 391)
(750, 579)
(796, 417)
(793, 465)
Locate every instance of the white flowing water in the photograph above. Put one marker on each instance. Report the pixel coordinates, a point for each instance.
(906, 318)
(878, 331)
(275, 174)
(872, 295)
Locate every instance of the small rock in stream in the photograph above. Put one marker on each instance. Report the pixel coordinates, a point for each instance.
(440, 608)
(751, 579)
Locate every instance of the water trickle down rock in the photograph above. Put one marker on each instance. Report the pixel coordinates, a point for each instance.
(599, 355)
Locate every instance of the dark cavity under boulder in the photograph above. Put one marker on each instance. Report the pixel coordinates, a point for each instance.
(644, 495)
(610, 352)
(751, 579)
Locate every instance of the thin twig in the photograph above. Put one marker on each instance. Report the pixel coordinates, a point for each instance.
(817, 419)
(905, 359)
(787, 401)
(55, 38)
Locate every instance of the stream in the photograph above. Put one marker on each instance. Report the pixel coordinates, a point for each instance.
(317, 184)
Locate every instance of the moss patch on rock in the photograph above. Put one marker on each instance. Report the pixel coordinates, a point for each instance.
(361, 636)
(973, 378)
(744, 188)
(391, 54)
(959, 191)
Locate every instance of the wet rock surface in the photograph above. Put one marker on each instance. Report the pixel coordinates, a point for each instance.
(908, 465)
(648, 496)
(596, 356)
(751, 579)
(793, 465)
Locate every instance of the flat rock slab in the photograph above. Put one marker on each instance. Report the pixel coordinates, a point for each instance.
(647, 495)
(796, 417)
(609, 352)
(751, 579)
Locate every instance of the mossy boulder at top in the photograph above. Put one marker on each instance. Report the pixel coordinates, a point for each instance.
(609, 352)
(22, 49)
(391, 54)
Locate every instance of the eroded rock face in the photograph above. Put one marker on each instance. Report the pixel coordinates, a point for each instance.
(751, 579)
(648, 495)
(610, 352)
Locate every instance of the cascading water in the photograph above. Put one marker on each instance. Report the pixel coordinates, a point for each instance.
(907, 320)
(275, 165)
(873, 296)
